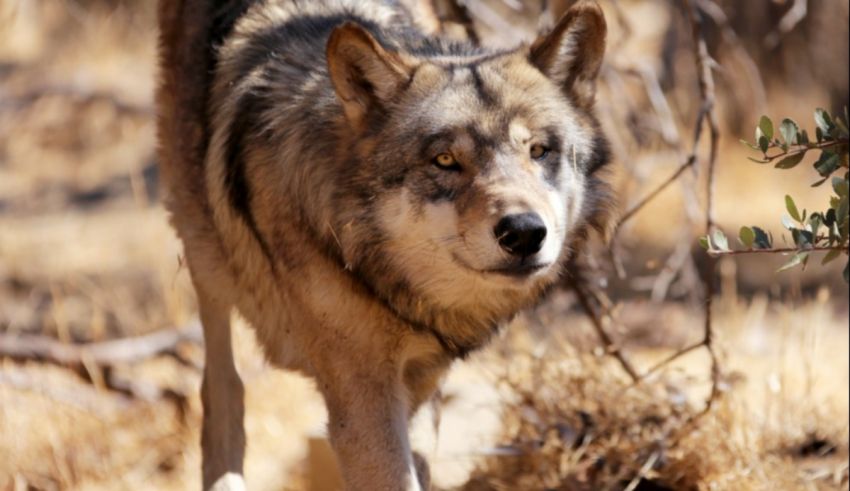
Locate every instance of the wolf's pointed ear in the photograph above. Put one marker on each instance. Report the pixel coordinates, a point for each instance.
(572, 53)
(364, 74)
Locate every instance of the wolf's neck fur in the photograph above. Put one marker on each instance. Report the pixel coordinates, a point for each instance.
(282, 149)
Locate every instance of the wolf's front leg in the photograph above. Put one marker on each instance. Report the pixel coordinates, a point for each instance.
(222, 395)
(368, 429)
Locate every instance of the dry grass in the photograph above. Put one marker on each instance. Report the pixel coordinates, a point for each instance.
(573, 421)
(86, 254)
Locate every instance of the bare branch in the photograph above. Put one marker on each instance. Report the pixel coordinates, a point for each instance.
(782, 250)
(579, 284)
(24, 101)
(128, 350)
(803, 148)
(704, 65)
(655, 192)
(739, 52)
(787, 23)
(673, 357)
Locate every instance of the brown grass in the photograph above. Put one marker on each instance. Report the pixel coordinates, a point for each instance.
(573, 421)
(86, 254)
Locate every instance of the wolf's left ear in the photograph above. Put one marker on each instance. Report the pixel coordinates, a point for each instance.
(364, 74)
(572, 53)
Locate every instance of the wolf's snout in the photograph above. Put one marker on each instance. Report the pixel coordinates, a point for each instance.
(521, 234)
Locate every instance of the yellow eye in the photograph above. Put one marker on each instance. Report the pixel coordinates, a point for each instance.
(538, 151)
(445, 160)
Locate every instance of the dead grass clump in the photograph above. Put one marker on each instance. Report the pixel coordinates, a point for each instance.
(574, 423)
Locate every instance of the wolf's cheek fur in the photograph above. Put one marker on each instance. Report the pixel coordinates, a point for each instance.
(569, 201)
(421, 241)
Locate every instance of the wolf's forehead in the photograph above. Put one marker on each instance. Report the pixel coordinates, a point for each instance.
(490, 93)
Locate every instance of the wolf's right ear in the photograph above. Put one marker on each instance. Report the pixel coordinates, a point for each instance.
(364, 74)
(572, 53)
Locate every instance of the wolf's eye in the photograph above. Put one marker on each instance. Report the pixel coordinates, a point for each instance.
(538, 151)
(446, 161)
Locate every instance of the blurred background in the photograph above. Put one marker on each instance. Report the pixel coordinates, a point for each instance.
(87, 256)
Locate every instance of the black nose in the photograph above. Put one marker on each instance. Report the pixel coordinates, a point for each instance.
(522, 234)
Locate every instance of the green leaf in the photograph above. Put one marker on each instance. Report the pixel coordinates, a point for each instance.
(792, 208)
(828, 163)
(797, 260)
(790, 161)
(802, 238)
(788, 222)
(830, 217)
(819, 134)
(841, 186)
(789, 131)
(842, 211)
(815, 222)
(843, 131)
(763, 240)
(830, 256)
(766, 127)
(824, 121)
(764, 143)
(747, 237)
(720, 240)
(804, 137)
(705, 243)
(819, 182)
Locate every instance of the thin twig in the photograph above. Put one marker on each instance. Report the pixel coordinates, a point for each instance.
(787, 23)
(578, 285)
(670, 359)
(731, 39)
(644, 471)
(707, 114)
(781, 250)
(655, 192)
(801, 149)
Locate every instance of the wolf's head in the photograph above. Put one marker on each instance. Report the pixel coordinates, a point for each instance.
(473, 169)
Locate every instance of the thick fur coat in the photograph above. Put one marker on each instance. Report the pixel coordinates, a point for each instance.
(374, 200)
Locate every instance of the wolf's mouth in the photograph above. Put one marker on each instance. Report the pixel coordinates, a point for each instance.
(520, 269)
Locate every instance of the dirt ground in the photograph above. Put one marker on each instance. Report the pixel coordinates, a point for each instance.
(87, 255)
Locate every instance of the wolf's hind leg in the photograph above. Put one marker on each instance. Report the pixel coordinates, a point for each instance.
(222, 394)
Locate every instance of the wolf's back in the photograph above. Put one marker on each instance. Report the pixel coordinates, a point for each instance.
(189, 32)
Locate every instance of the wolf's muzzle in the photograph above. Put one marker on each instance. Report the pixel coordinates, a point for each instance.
(522, 234)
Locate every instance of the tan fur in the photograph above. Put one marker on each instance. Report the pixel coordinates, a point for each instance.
(271, 229)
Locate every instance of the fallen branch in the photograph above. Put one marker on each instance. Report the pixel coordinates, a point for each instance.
(24, 101)
(127, 350)
(83, 397)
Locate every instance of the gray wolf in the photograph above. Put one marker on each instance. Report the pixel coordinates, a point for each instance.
(374, 200)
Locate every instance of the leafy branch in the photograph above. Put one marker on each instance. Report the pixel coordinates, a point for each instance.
(825, 231)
